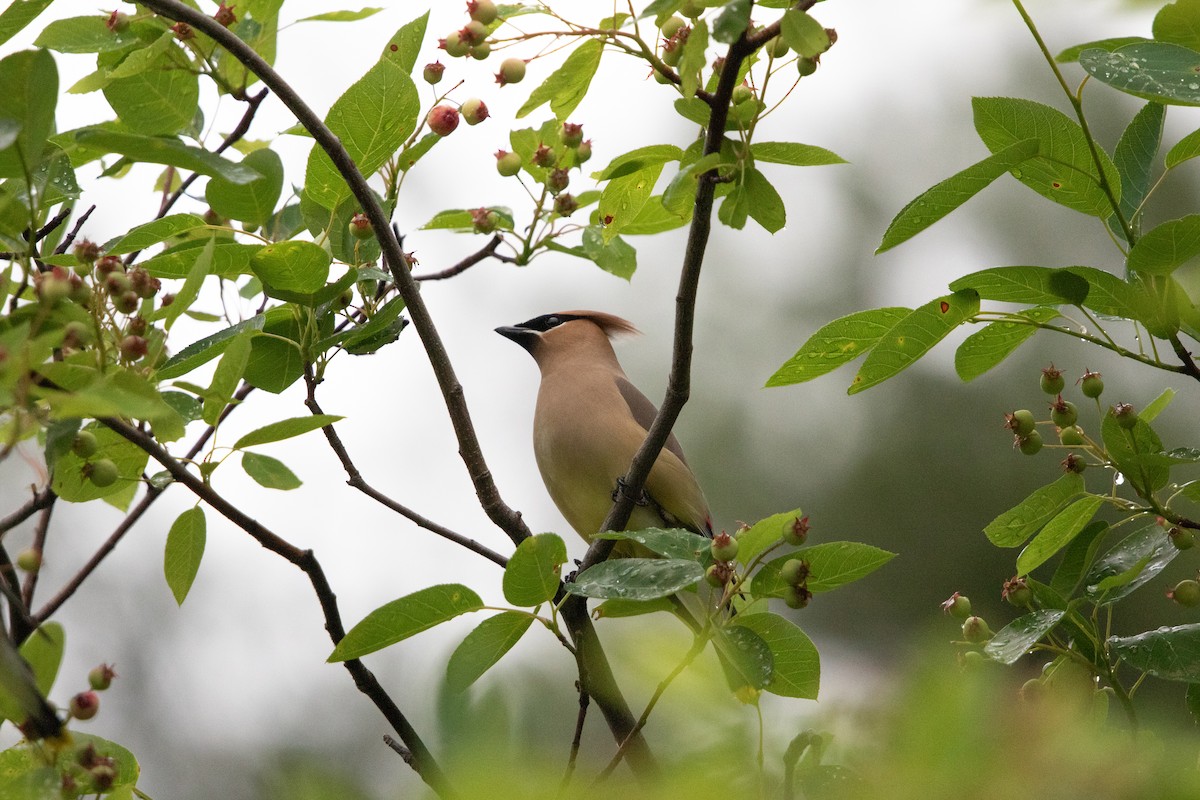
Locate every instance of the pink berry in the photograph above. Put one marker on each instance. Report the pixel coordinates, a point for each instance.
(474, 111)
(443, 120)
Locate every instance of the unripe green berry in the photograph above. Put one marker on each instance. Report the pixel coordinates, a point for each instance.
(716, 575)
(84, 444)
(101, 677)
(512, 70)
(360, 227)
(1020, 422)
(724, 547)
(1071, 436)
(797, 596)
(795, 531)
(1032, 691)
(101, 472)
(473, 33)
(29, 560)
(1125, 415)
(671, 27)
(454, 45)
(583, 152)
(481, 51)
(1092, 384)
(1052, 380)
(1063, 413)
(433, 72)
(1017, 592)
(806, 66)
(474, 111)
(571, 134)
(508, 164)
(691, 8)
(794, 571)
(565, 204)
(976, 630)
(544, 156)
(1182, 538)
(484, 220)
(742, 94)
(557, 180)
(1073, 463)
(776, 48)
(957, 606)
(133, 347)
(1186, 593)
(484, 11)
(1030, 443)
(672, 52)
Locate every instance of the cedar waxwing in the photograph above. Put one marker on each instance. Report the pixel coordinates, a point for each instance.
(589, 422)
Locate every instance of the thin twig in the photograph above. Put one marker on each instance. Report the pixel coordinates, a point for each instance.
(462, 266)
(34, 504)
(576, 741)
(356, 480)
(42, 232)
(71, 234)
(39, 545)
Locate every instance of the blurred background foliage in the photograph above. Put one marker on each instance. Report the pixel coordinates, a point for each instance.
(918, 466)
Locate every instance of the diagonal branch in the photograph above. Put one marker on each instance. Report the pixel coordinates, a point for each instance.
(364, 679)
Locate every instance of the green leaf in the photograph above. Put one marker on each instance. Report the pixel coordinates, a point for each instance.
(190, 290)
(1177, 22)
(342, 16)
(275, 361)
(372, 119)
(164, 150)
(185, 549)
(161, 101)
(745, 659)
(229, 259)
(1108, 294)
(201, 352)
(636, 578)
(483, 647)
(1078, 557)
(534, 570)
(913, 336)
(837, 343)
(291, 266)
(1130, 564)
(18, 15)
(28, 93)
(1157, 405)
(381, 329)
(268, 472)
(567, 85)
(939, 200)
(794, 154)
(405, 45)
(1058, 532)
(623, 198)
(631, 608)
(830, 565)
(615, 256)
(1134, 159)
(227, 376)
(1158, 71)
(1124, 445)
(796, 664)
(987, 347)
(1034, 285)
(656, 218)
(407, 616)
(70, 484)
(1014, 526)
(764, 533)
(638, 160)
(803, 34)
(766, 206)
(88, 34)
(285, 429)
(731, 22)
(43, 650)
(151, 233)
(1185, 149)
(680, 195)
(1071, 54)
(1063, 170)
(1172, 654)
(1167, 247)
(1017, 637)
(693, 60)
(670, 543)
(459, 219)
(252, 202)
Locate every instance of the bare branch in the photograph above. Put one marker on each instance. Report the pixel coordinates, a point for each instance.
(462, 266)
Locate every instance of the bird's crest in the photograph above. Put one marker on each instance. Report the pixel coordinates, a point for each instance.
(611, 324)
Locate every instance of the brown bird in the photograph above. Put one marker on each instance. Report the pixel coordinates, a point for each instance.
(590, 420)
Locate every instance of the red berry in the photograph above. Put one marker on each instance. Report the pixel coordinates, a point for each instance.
(474, 111)
(565, 204)
(443, 120)
(557, 180)
(133, 347)
(512, 70)
(225, 15)
(85, 705)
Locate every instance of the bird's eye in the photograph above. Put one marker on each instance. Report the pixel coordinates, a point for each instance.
(552, 322)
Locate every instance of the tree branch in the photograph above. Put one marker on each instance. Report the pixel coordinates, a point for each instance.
(462, 266)
(423, 761)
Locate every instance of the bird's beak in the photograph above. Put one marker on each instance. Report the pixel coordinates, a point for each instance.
(522, 336)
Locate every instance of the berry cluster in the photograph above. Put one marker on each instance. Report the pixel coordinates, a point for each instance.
(551, 163)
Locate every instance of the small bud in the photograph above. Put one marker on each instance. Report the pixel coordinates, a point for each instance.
(133, 347)
(1091, 384)
(795, 532)
(443, 120)
(1052, 380)
(1017, 592)
(544, 156)
(512, 70)
(183, 32)
(84, 705)
(101, 677)
(224, 15)
(557, 180)
(86, 251)
(565, 204)
(474, 111)
(167, 299)
(508, 164)
(433, 72)
(976, 630)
